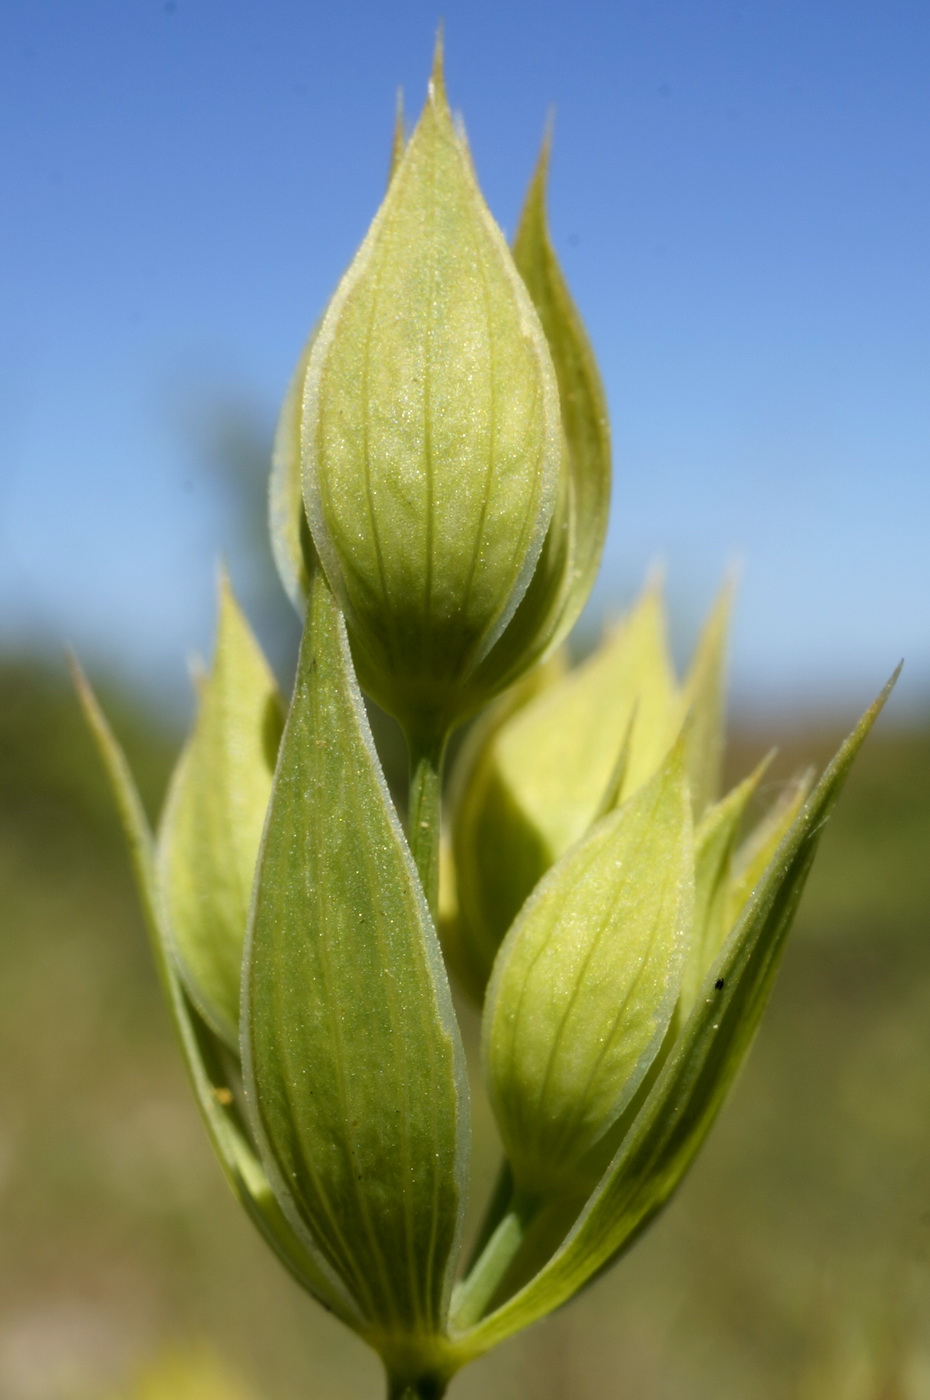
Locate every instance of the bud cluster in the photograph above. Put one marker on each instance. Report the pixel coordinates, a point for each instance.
(439, 500)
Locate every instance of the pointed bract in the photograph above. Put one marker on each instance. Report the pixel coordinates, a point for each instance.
(714, 843)
(200, 1049)
(752, 857)
(212, 823)
(705, 705)
(351, 1053)
(291, 544)
(571, 555)
(688, 1093)
(290, 535)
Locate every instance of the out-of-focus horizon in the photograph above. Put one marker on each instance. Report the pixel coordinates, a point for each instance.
(740, 199)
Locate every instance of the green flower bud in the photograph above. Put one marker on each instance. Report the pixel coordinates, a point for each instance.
(431, 437)
(587, 981)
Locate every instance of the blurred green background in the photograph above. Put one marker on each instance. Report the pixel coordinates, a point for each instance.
(794, 1262)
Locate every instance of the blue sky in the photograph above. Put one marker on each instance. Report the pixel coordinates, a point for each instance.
(740, 198)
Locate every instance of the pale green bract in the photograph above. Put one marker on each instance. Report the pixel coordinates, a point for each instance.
(352, 1055)
(715, 841)
(207, 1066)
(290, 535)
(620, 916)
(572, 551)
(664, 1135)
(213, 818)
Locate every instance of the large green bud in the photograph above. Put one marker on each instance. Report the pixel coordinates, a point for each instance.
(430, 432)
(586, 982)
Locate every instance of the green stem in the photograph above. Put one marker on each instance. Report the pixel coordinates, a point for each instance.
(429, 1389)
(497, 1207)
(424, 813)
(474, 1293)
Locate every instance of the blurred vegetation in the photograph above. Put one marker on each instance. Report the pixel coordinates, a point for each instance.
(190, 1373)
(794, 1265)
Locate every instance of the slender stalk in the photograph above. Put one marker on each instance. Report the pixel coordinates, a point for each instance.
(474, 1293)
(429, 1389)
(424, 812)
(497, 1207)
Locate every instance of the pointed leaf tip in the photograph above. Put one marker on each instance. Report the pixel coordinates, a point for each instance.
(399, 140)
(540, 177)
(705, 699)
(437, 77)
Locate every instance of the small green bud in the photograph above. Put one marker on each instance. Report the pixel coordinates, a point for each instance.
(587, 981)
(431, 434)
(212, 823)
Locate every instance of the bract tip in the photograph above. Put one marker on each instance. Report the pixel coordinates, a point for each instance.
(437, 79)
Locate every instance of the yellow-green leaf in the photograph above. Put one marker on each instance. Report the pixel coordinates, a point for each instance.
(212, 823)
(586, 982)
(352, 1057)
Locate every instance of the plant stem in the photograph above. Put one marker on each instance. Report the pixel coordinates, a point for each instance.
(497, 1207)
(429, 1389)
(475, 1292)
(424, 812)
